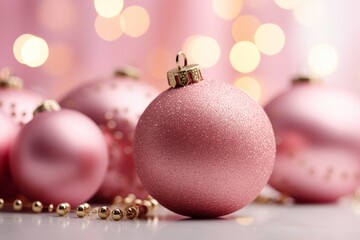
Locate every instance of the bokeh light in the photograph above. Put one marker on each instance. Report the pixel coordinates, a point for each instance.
(245, 57)
(309, 12)
(227, 9)
(30, 50)
(287, 4)
(18, 44)
(135, 21)
(270, 39)
(323, 59)
(34, 52)
(203, 50)
(108, 29)
(244, 28)
(159, 61)
(61, 59)
(249, 85)
(255, 3)
(57, 15)
(108, 8)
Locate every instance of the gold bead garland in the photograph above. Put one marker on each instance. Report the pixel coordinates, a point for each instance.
(282, 199)
(129, 208)
(18, 205)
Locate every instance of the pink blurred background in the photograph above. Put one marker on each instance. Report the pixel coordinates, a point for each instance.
(77, 52)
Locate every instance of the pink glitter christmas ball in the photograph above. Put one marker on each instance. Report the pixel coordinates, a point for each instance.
(204, 150)
(318, 142)
(8, 131)
(19, 104)
(115, 104)
(59, 156)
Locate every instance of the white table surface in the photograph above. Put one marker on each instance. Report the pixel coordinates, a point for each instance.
(302, 222)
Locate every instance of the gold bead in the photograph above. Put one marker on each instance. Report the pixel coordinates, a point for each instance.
(262, 199)
(87, 208)
(138, 202)
(118, 200)
(117, 214)
(2, 203)
(130, 198)
(132, 212)
(148, 204)
(104, 212)
(68, 206)
(62, 209)
(283, 199)
(154, 203)
(148, 197)
(151, 203)
(17, 205)
(81, 211)
(143, 210)
(37, 207)
(51, 208)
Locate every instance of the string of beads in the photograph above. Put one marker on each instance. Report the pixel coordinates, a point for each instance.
(128, 208)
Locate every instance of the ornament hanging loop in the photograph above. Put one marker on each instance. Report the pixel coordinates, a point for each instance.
(177, 60)
(184, 75)
(127, 71)
(47, 106)
(7, 80)
(305, 80)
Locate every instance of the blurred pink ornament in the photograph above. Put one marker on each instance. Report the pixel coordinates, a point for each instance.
(59, 156)
(16, 102)
(318, 142)
(115, 104)
(204, 150)
(8, 131)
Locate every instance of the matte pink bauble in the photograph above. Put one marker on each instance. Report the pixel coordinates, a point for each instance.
(318, 142)
(115, 104)
(204, 150)
(15, 101)
(59, 156)
(8, 131)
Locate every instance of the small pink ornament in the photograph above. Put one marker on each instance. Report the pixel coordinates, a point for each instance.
(203, 150)
(16, 102)
(115, 104)
(8, 131)
(59, 156)
(318, 142)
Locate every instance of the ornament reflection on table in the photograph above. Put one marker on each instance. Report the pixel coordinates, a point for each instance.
(318, 142)
(8, 132)
(15, 101)
(59, 156)
(115, 104)
(204, 149)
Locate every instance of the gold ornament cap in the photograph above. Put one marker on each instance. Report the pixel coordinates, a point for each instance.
(127, 71)
(47, 106)
(184, 75)
(301, 79)
(9, 81)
